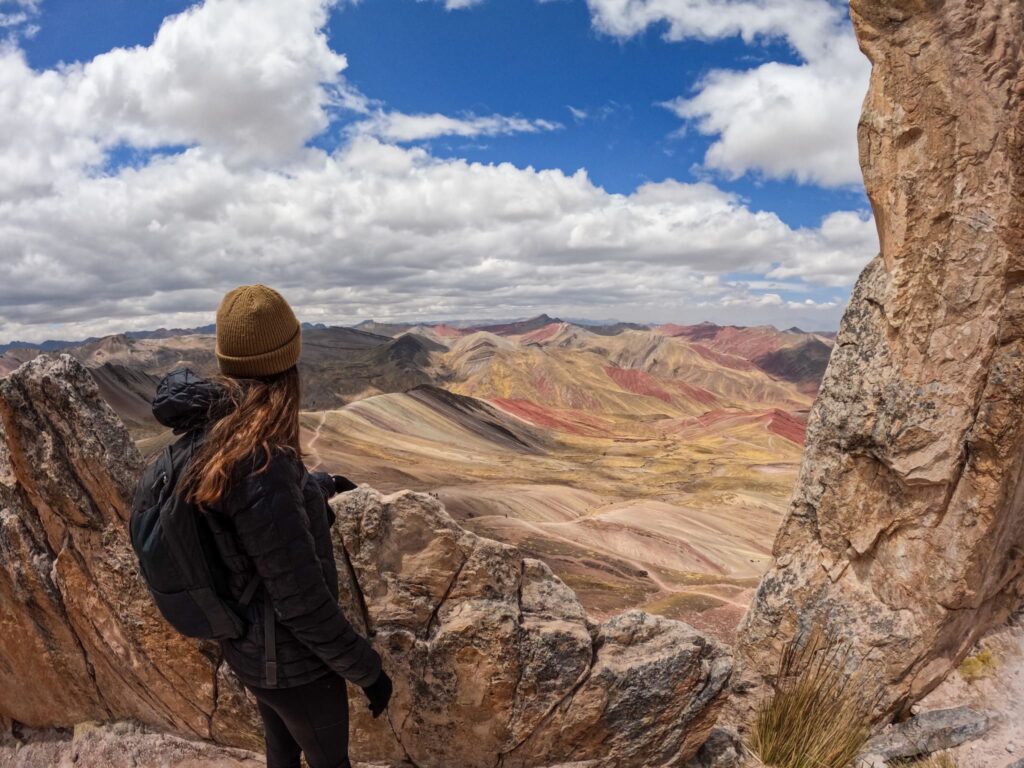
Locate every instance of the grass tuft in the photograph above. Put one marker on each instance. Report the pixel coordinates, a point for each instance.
(817, 715)
(980, 665)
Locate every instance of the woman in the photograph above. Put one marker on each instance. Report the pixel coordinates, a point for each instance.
(271, 525)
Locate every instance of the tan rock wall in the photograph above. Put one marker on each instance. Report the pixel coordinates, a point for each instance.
(79, 637)
(906, 530)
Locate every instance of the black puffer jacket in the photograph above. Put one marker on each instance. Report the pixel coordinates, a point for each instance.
(275, 523)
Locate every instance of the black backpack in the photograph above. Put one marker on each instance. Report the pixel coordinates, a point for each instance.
(177, 556)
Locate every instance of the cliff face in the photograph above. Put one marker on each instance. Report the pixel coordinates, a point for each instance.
(494, 659)
(906, 531)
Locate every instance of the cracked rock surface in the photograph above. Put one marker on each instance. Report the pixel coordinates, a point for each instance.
(496, 663)
(494, 660)
(930, 732)
(905, 535)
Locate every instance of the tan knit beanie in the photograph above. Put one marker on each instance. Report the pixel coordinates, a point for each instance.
(257, 333)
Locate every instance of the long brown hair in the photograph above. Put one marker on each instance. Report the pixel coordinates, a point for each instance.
(261, 412)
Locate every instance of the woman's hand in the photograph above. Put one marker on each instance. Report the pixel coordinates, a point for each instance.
(332, 484)
(379, 694)
(342, 484)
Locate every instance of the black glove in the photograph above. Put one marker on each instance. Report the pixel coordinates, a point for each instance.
(342, 484)
(379, 694)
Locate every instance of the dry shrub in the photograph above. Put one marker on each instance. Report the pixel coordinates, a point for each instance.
(817, 716)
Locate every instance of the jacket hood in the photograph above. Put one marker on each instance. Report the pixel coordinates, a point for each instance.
(185, 401)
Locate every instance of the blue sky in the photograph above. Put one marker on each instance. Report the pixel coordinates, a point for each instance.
(659, 112)
(538, 59)
(508, 57)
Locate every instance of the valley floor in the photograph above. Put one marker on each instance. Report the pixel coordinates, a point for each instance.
(680, 527)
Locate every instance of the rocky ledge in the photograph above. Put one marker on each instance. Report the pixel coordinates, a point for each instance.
(495, 662)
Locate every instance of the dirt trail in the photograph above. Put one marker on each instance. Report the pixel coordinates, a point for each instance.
(721, 598)
(311, 445)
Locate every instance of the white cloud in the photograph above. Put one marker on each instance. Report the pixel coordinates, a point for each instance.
(746, 300)
(579, 115)
(808, 24)
(248, 78)
(382, 230)
(402, 128)
(779, 120)
(17, 19)
(372, 229)
(602, 112)
(14, 12)
(828, 260)
(12, 19)
(455, 5)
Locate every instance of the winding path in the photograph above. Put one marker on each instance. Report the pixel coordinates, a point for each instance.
(311, 445)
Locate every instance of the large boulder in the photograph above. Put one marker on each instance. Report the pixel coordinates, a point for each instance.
(494, 660)
(79, 636)
(905, 535)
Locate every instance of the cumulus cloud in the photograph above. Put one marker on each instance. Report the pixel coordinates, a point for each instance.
(249, 78)
(841, 233)
(370, 229)
(779, 120)
(377, 229)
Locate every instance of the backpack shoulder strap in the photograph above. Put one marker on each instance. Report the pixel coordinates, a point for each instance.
(250, 589)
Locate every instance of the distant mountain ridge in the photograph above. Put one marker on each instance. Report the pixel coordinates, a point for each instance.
(54, 345)
(343, 363)
(604, 327)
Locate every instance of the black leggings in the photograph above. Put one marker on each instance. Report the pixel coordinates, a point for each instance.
(310, 718)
